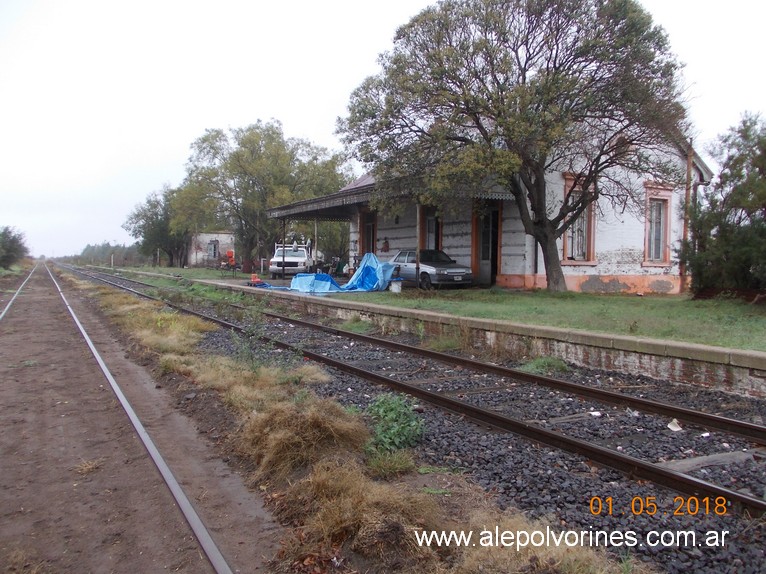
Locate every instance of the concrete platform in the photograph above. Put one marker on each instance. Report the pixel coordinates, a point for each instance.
(732, 370)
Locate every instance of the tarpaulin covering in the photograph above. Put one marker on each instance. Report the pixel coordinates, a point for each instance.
(314, 283)
(372, 275)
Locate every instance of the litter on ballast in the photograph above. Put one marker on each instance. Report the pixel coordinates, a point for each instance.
(674, 426)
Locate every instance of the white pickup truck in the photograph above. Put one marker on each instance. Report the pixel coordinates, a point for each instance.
(291, 259)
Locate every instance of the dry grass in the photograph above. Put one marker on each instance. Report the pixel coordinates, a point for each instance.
(246, 390)
(338, 506)
(170, 332)
(23, 562)
(308, 374)
(287, 436)
(223, 373)
(185, 365)
(153, 325)
(86, 467)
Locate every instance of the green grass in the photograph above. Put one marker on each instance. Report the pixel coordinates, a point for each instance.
(16, 269)
(722, 322)
(357, 325)
(545, 366)
(191, 273)
(388, 464)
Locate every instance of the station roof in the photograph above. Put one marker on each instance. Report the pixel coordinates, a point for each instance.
(338, 206)
(343, 205)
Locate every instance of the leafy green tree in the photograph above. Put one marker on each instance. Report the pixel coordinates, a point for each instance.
(150, 223)
(728, 247)
(192, 208)
(477, 94)
(12, 247)
(251, 169)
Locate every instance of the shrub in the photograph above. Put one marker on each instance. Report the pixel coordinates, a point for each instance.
(12, 247)
(396, 425)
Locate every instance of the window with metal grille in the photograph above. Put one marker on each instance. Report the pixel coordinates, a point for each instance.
(657, 225)
(578, 239)
(658, 222)
(577, 236)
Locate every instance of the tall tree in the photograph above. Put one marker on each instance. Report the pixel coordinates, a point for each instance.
(194, 210)
(149, 222)
(251, 169)
(477, 94)
(12, 247)
(728, 247)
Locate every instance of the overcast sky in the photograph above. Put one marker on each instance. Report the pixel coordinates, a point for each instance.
(101, 99)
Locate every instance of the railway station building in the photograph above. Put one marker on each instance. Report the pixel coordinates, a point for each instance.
(605, 251)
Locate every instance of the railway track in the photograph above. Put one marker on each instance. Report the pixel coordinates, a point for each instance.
(462, 386)
(35, 294)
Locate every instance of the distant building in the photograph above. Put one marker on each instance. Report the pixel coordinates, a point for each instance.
(209, 249)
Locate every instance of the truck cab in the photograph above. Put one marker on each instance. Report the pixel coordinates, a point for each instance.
(290, 260)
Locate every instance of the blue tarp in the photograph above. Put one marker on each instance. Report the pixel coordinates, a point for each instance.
(372, 275)
(314, 283)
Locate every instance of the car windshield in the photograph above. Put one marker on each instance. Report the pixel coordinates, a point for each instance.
(289, 253)
(434, 256)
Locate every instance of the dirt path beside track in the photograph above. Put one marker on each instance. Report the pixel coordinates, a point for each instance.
(78, 492)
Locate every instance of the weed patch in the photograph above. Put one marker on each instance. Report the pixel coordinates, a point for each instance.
(357, 325)
(545, 366)
(445, 343)
(388, 464)
(395, 424)
(183, 365)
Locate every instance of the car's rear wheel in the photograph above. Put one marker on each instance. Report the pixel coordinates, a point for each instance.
(425, 281)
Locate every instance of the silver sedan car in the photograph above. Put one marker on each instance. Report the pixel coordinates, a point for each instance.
(436, 268)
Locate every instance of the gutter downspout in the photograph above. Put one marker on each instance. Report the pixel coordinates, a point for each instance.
(684, 279)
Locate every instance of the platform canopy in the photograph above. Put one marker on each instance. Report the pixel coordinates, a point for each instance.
(340, 206)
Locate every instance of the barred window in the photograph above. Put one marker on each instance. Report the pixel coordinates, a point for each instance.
(579, 237)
